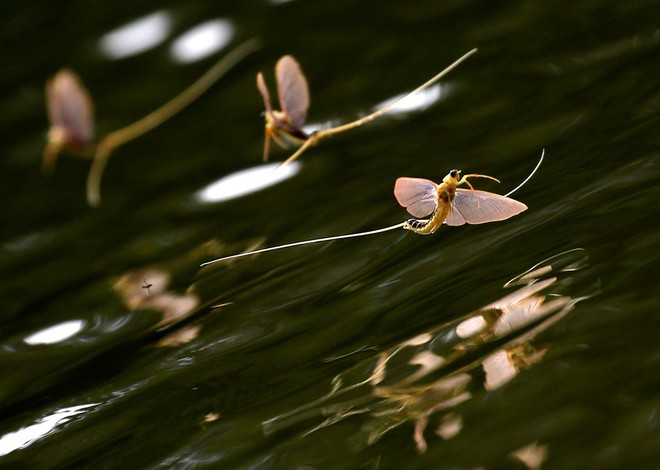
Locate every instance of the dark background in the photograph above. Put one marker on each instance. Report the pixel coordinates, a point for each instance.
(579, 79)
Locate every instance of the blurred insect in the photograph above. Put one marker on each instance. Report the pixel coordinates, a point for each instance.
(443, 202)
(285, 126)
(71, 115)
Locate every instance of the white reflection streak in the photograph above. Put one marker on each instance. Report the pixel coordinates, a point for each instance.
(137, 36)
(319, 126)
(202, 41)
(56, 333)
(417, 102)
(25, 436)
(246, 181)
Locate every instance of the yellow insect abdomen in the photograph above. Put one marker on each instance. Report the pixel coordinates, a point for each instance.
(446, 194)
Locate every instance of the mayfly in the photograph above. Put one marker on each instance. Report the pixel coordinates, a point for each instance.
(445, 203)
(285, 126)
(71, 116)
(442, 203)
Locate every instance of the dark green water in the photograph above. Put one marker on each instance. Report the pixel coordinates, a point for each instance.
(334, 356)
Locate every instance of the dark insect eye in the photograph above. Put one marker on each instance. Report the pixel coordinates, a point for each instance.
(454, 173)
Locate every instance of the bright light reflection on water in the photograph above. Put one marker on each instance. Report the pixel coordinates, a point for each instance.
(312, 127)
(202, 41)
(137, 36)
(246, 181)
(25, 436)
(56, 333)
(417, 102)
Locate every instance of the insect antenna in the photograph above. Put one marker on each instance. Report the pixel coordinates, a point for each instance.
(529, 177)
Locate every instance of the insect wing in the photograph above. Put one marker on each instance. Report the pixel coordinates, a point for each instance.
(417, 195)
(480, 207)
(263, 89)
(293, 90)
(70, 107)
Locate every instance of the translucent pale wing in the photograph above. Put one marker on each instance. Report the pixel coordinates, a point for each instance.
(70, 106)
(417, 195)
(480, 207)
(263, 89)
(293, 90)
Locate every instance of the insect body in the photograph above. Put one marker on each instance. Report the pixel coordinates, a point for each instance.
(445, 203)
(415, 224)
(286, 125)
(71, 115)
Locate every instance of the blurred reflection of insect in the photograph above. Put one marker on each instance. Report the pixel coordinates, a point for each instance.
(443, 202)
(71, 116)
(285, 126)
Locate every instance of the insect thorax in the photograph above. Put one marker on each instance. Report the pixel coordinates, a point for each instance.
(446, 193)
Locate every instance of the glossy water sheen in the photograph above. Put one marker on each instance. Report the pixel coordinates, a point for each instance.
(116, 351)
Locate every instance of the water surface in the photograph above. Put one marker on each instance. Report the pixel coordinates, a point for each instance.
(117, 348)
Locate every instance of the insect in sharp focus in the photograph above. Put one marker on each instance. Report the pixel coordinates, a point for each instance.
(443, 202)
(71, 115)
(285, 126)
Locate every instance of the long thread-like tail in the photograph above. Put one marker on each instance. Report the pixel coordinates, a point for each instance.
(315, 137)
(307, 242)
(157, 117)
